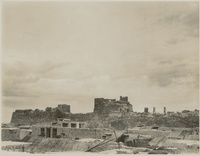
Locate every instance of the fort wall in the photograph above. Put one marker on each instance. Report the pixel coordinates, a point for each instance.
(107, 106)
(153, 133)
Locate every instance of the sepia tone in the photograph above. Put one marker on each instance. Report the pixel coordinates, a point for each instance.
(100, 77)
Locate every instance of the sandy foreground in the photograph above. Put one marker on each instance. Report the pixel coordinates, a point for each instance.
(188, 142)
(110, 152)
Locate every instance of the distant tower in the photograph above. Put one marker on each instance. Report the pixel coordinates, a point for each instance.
(125, 98)
(164, 110)
(146, 110)
(64, 108)
(154, 110)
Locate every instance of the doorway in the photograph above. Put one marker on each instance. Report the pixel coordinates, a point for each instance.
(54, 133)
(48, 132)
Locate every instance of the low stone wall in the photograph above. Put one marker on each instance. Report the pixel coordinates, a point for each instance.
(153, 133)
(16, 148)
(10, 134)
(191, 137)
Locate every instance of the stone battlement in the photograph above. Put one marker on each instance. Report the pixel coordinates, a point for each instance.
(125, 98)
(102, 100)
(102, 105)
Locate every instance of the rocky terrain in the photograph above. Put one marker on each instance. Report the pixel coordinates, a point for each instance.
(119, 121)
(108, 113)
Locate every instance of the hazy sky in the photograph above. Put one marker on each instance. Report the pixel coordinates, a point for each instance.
(72, 52)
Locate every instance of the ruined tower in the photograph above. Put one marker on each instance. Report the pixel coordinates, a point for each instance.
(164, 110)
(154, 110)
(125, 98)
(106, 106)
(146, 110)
(64, 108)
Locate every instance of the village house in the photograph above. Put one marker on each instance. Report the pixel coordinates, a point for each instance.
(65, 128)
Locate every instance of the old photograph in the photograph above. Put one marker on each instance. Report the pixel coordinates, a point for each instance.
(99, 77)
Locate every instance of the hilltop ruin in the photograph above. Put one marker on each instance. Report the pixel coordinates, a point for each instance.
(105, 106)
(102, 107)
(48, 130)
(108, 113)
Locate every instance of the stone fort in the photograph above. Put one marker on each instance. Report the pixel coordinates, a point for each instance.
(102, 105)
